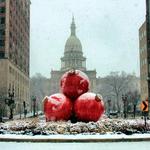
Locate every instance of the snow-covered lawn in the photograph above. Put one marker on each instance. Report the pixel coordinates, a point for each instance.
(36, 126)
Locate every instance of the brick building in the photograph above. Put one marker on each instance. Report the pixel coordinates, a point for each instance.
(14, 51)
(143, 61)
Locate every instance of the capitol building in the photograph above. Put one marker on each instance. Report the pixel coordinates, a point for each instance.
(73, 58)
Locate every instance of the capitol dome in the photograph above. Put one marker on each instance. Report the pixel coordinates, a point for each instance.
(73, 43)
(73, 55)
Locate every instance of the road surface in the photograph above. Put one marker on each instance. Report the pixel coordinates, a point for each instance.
(75, 146)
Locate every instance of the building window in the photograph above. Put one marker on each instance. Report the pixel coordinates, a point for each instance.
(144, 33)
(83, 64)
(145, 61)
(2, 20)
(10, 71)
(2, 54)
(2, 34)
(2, 43)
(2, 1)
(141, 63)
(145, 47)
(2, 9)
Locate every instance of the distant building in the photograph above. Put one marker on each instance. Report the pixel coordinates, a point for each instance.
(14, 50)
(143, 61)
(73, 58)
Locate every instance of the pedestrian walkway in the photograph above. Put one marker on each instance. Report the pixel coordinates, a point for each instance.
(20, 116)
(76, 138)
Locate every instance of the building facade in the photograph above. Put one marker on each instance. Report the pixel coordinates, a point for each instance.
(14, 50)
(73, 58)
(143, 61)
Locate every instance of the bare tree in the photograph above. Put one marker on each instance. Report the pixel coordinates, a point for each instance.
(40, 88)
(133, 99)
(116, 84)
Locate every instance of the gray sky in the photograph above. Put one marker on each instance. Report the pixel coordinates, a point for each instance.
(107, 29)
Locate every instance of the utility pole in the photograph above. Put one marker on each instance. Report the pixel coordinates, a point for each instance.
(148, 46)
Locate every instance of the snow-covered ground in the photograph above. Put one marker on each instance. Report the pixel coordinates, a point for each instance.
(37, 130)
(84, 136)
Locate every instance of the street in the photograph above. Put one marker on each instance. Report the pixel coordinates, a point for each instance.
(75, 146)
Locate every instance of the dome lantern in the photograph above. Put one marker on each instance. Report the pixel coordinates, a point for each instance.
(73, 27)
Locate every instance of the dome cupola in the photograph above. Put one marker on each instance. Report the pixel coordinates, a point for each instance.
(73, 43)
(73, 55)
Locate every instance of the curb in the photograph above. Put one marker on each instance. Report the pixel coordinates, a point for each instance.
(70, 140)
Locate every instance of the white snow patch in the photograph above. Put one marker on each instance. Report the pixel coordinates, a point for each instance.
(78, 136)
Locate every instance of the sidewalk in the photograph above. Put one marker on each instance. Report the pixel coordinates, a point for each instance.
(22, 116)
(76, 138)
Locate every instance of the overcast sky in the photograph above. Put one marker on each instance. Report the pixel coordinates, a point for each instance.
(107, 29)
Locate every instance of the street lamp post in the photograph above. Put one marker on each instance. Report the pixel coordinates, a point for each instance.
(10, 102)
(134, 108)
(109, 105)
(1, 113)
(25, 110)
(134, 111)
(34, 104)
(1, 108)
(124, 99)
(20, 108)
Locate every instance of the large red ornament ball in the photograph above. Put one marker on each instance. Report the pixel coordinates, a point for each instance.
(74, 83)
(89, 107)
(57, 107)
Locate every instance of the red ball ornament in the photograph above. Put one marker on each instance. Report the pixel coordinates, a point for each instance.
(89, 107)
(74, 83)
(57, 107)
